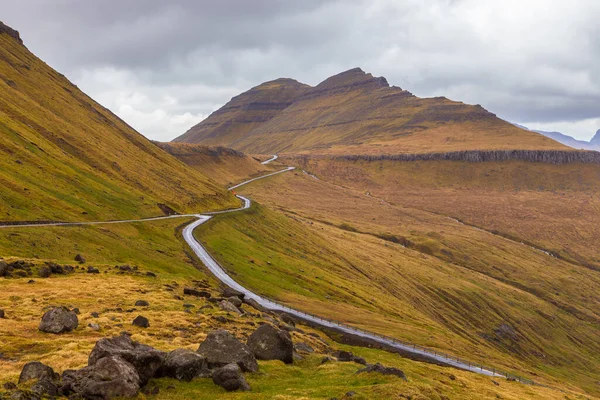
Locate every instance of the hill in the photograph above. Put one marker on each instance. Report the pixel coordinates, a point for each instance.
(356, 113)
(226, 166)
(66, 157)
(245, 112)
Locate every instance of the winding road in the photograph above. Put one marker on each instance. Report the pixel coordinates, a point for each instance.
(409, 350)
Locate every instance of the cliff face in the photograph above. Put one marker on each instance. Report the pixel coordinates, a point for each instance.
(245, 112)
(356, 113)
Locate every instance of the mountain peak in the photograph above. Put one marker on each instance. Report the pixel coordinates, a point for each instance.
(352, 78)
(10, 32)
(596, 139)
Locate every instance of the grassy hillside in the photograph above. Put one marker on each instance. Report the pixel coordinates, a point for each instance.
(355, 113)
(223, 165)
(244, 112)
(415, 275)
(64, 156)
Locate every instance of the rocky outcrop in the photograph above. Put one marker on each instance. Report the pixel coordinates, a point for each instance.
(107, 378)
(221, 348)
(230, 378)
(537, 156)
(382, 370)
(184, 365)
(145, 359)
(59, 320)
(270, 343)
(5, 29)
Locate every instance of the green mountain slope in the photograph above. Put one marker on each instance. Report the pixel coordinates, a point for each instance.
(64, 156)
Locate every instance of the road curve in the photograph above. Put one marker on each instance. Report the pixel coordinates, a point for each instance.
(275, 157)
(417, 351)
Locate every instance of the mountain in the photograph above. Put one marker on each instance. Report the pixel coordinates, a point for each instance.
(354, 112)
(245, 112)
(224, 165)
(570, 141)
(65, 157)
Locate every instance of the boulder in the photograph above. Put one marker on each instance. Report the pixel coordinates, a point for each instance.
(94, 327)
(227, 306)
(221, 348)
(254, 304)
(142, 303)
(270, 343)
(197, 293)
(59, 320)
(184, 365)
(108, 378)
(230, 378)
(2, 315)
(145, 359)
(227, 292)
(44, 388)
(93, 270)
(37, 371)
(346, 356)
(79, 258)
(141, 321)
(383, 370)
(303, 348)
(3, 268)
(44, 271)
(235, 301)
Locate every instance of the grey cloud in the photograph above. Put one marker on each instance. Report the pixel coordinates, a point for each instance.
(151, 60)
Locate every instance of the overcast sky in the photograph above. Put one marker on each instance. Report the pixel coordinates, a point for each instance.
(165, 65)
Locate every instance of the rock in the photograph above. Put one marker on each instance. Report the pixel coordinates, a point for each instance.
(270, 343)
(93, 270)
(76, 311)
(196, 292)
(326, 360)
(108, 378)
(221, 348)
(151, 274)
(59, 320)
(37, 371)
(346, 356)
(44, 271)
(79, 258)
(2, 315)
(303, 348)
(235, 301)
(3, 268)
(230, 378)
(95, 315)
(184, 365)
(227, 306)
(21, 274)
(9, 386)
(31, 281)
(141, 321)
(221, 319)
(45, 388)
(145, 359)
(94, 327)
(287, 319)
(125, 268)
(142, 303)
(227, 292)
(254, 304)
(382, 370)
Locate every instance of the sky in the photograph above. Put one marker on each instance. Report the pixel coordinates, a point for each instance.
(163, 66)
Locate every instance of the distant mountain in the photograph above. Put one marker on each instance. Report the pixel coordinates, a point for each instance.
(570, 141)
(355, 113)
(65, 157)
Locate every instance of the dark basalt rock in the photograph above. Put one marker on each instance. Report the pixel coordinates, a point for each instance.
(196, 293)
(141, 321)
(145, 359)
(383, 370)
(230, 378)
(79, 258)
(142, 303)
(3, 268)
(270, 343)
(107, 378)
(227, 292)
(346, 356)
(221, 348)
(59, 320)
(37, 371)
(184, 365)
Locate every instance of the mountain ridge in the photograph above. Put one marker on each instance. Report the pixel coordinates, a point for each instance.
(354, 112)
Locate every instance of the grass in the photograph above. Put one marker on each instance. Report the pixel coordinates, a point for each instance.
(452, 289)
